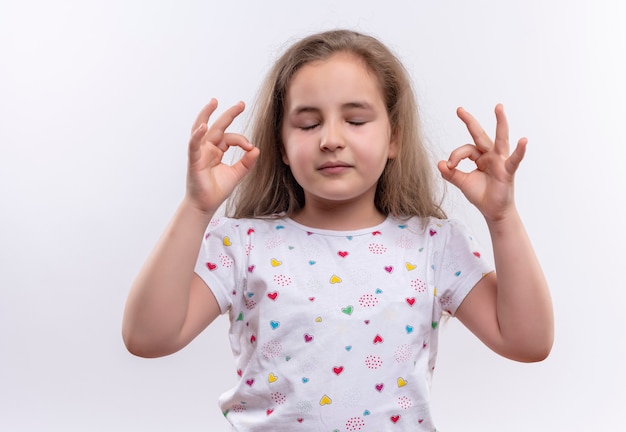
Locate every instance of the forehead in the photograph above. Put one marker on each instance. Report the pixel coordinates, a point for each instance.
(340, 79)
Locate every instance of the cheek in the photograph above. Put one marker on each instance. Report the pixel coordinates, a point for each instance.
(292, 156)
(287, 151)
(294, 148)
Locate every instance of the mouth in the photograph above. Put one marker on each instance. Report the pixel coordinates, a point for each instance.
(334, 167)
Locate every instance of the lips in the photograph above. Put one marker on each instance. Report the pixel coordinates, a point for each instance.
(334, 166)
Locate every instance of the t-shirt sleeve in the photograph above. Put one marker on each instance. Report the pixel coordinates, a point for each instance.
(458, 264)
(219, 260)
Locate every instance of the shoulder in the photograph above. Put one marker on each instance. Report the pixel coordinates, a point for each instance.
(432, 227)
(440, 236)
(446, 228)
(246, 226)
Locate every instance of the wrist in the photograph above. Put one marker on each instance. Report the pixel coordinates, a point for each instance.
(193, 212)
(507, 221)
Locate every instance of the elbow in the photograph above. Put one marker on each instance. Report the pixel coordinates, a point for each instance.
(530, 346)
(146, 347)
(135, 346)
(535, 353)
(543, 348)
(536, 356)
(132, 346)
(137, 339)
(140, 350)
(542, 352)
(135, 350)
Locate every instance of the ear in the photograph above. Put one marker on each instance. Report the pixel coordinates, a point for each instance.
(394, 147)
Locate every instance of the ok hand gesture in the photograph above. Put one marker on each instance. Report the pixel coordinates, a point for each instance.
(490, 186)
(209, 180)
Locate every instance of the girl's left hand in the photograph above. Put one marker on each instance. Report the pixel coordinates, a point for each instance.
(490, 186)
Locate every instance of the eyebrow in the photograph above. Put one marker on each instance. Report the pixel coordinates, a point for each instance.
(350, 105)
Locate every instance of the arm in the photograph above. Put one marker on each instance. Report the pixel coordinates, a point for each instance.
(168, 304)
(511, 310)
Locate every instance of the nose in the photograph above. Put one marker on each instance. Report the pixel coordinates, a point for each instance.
(332, 136)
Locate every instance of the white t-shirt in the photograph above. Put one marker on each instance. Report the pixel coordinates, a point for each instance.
(334, 330)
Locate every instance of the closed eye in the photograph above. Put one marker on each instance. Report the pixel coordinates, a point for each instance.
(356, 122)
(309, 127)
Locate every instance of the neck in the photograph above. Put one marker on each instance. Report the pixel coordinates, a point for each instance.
(339, 217)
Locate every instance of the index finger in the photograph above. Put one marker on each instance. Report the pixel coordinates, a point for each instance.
(480, 137)
(215, 134)
(204, 114)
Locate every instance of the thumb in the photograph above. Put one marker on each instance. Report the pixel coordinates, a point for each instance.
(451, 174)
(246, 163)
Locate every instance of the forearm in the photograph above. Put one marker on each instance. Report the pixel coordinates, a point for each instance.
(524, 308)
(158, 301)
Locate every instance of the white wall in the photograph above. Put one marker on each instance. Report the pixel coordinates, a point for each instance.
(96, 101)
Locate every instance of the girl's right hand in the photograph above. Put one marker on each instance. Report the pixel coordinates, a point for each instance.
(209, 180)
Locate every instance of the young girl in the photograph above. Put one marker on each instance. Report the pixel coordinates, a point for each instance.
(337, 263)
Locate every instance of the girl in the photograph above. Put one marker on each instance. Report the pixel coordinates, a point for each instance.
(337, 263)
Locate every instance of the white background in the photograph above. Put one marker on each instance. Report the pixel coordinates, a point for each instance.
(96, 102)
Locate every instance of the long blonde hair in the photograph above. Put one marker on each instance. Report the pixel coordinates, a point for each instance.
(406, 187)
